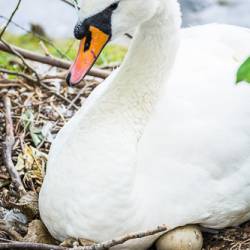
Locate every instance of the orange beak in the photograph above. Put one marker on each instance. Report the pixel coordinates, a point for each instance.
(90, 48)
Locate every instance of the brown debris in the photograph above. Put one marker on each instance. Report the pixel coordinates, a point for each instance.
(37, 233)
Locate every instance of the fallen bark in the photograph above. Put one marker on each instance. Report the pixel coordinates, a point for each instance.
(51, 60)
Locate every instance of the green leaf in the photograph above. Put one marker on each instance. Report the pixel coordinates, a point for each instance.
(243, 74)
(36, 135)
(28, 121)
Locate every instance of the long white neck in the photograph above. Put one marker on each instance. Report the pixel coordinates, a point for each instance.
(137, 85)
(103, 137)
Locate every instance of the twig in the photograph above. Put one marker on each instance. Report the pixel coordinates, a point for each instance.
(77, 97)
(14, 83)
(9, 72)
(40, 83)
(14, 245)
(58, 95)
(45, 49)
(122, 240)
(4, 177)
(10, 19)
(10, 85)
(7, 147)
(16, 53)
(10, 47)
(102, 246)
(4, 227)
(46, 40)
(51, 61)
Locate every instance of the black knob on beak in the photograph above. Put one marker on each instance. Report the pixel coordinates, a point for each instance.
(80, 30)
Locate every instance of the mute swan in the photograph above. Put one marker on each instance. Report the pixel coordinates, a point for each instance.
(164, 140)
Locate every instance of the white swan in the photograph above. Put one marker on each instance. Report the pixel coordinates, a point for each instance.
(164, 140)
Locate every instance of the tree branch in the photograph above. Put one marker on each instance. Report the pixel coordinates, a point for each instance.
(102, 246)
(8, 146)
(103, 74)
(42, 38)
(16, 53)
(14, 73)
(10, 19)
(122, 240)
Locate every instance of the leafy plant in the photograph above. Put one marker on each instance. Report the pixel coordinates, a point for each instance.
(243, 73)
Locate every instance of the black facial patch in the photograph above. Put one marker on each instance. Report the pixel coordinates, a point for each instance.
(102, 21)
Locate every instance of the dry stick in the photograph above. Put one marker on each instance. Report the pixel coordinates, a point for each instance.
(40, 83)
(58, 95)
(45, 49)
(9, 72)
(16, 53)
(102, 246)
(29, 246)
(42, 38)
(122, 240)
(10, 19)
(7, 147)
(51, 61)
(8, 229)
(81, 92)
(14, 83)
(10, 85)
(9, 46)
(4, 177)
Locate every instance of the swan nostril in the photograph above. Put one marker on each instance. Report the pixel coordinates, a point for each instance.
(79, 31)
(68, 79)
(88, 40)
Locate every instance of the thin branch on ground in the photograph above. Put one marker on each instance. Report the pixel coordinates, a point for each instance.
(10, 19)
(29, 79)
(14, 73)
(58, 95)
(4, 177)
(99, 73)
(9, 46)
(14, 83)
(133, 236)
(45, 49)
(77, 97)
(102, 246)
(29, 246)
(16, 53)
(4, 227)
(7, 147)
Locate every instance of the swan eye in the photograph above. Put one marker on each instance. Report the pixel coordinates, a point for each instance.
(114, 5)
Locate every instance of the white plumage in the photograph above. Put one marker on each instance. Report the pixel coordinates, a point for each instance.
(164, 140)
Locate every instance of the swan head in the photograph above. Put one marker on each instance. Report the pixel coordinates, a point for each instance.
(102, 21)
